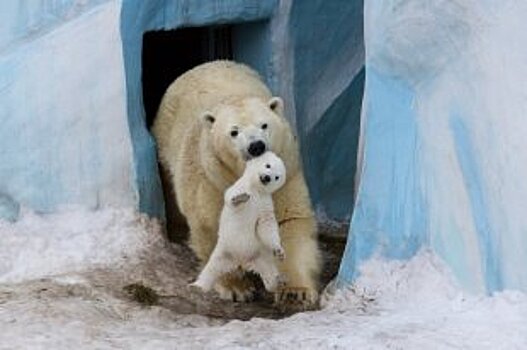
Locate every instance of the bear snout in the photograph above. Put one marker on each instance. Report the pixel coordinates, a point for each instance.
(256, 148)
(265, 179)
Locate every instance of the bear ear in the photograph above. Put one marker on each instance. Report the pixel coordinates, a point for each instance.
(277, 105)
(207, 118)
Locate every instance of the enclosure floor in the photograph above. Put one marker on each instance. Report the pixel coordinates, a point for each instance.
(158, 273)
(52, 299)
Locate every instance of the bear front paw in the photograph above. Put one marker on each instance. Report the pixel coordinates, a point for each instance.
(296, 298)
(279, 253)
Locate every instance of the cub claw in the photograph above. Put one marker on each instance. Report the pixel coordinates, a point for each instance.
(281, 281)
(195, 287)
(279, 253)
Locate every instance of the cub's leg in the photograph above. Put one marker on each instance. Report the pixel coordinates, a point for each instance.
(265, 266)
(268, 232)
(232, 285)
(217, 266)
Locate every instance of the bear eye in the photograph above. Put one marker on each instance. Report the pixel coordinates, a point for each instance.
(276, 178)
(234, 133)
(268, 166)
(264, 126)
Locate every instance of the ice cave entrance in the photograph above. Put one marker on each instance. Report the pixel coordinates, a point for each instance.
(167, 54)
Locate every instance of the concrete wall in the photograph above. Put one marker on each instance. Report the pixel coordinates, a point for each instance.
(64, 136)
(328, 61)
(73, 129)
(444, 139)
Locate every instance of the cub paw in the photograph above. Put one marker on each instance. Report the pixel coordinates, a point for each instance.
(274, 283)
(279, 253)
(236, 290)
(281, 281)
(240, 198)
(196, 286)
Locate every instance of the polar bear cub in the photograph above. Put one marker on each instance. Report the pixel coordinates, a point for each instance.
(248, 236)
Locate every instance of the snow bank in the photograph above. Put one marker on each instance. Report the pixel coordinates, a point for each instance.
(444, 138)
(393, 305)
(73, 240)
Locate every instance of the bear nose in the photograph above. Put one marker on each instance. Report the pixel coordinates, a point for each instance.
(265, 179)
(256, 148)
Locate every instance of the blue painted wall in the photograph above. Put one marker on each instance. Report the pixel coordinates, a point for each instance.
(311, 53)
(26, 20)
(63, 136)
(390, 217)
(327, 37)
(444, 138)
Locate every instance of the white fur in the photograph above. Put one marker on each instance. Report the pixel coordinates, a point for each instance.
(248, 236)
(203, 160)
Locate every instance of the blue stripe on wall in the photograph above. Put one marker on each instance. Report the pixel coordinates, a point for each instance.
(328, 44)
(390, 216)
(470, 167)
(330, 153)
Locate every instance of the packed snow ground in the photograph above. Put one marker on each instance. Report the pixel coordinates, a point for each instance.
(60, 277)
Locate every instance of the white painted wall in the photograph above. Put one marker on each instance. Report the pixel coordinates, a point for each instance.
(64, 135)
(445, 143)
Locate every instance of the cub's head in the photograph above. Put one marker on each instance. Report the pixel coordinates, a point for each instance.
(267, 172)
(240, 130)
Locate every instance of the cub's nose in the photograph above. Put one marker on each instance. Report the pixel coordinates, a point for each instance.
(256, 148)
(265, 179)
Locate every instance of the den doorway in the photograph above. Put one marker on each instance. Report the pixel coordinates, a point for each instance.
(169, 53)
(166, 55)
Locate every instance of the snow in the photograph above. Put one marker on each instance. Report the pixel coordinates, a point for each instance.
(71, 240)
(59, 277)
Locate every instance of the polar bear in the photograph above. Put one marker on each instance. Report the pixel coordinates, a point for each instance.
(248, 235)
(211, 120)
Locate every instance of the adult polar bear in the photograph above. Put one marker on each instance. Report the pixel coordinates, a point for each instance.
(211, 120)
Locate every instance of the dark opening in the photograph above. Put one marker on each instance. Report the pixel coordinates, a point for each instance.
(166, 55)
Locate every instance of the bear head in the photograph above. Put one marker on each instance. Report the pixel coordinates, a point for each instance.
(244, 129)
(266, 173)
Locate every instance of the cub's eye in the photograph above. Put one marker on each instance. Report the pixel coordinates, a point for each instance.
(268, 166)
(264, 126)
(277, 177)
(234, 133)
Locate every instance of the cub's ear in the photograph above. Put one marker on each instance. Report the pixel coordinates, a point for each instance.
(277, 105)
(207, 119)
